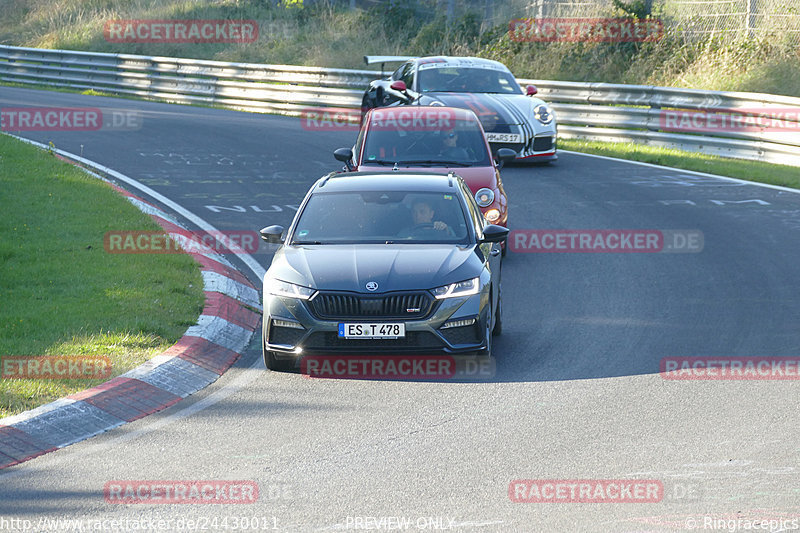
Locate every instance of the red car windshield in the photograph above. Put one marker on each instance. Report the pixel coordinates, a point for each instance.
(389, 142)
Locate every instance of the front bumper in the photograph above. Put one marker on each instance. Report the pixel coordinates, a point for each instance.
(541, 147)
(311, 335)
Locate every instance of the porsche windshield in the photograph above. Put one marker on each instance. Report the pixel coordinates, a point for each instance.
(461, 143)
(435, 78)
(381, 217)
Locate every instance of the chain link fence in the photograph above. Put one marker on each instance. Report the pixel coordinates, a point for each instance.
(694, 18)
(690, 19)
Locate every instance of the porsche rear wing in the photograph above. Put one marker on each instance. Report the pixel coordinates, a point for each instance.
(371, 60)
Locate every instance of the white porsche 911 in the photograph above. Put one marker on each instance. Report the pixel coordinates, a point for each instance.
(511, 117)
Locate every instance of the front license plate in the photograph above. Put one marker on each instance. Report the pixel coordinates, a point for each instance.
(503, 137)
(380, 330)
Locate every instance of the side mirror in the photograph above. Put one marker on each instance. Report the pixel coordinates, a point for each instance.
(399, 86)
(272, 234)
(345, 155)
(530, 90)
(505, 155)
(494, 233)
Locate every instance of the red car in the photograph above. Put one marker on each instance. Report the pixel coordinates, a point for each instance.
(434, 139)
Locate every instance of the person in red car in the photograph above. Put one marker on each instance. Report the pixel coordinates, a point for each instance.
(450, 149)
(436, 139)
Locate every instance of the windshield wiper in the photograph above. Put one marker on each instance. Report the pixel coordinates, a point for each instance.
(306, 242)
(378, 162)
(432, 162)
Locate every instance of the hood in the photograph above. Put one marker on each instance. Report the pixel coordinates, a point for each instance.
(348, 267)
(497, 112)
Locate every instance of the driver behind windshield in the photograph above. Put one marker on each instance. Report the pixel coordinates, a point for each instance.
(425, 223)
(422, 213)
(450, 150)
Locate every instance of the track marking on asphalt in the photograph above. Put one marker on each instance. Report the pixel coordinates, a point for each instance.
(693, 172)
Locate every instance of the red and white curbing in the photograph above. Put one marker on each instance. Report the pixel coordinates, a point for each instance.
(199, 358)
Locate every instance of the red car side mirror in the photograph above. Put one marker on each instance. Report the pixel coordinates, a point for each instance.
(530, 90)
(399, 86)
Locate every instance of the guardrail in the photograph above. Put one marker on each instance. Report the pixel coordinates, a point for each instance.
(592, 111)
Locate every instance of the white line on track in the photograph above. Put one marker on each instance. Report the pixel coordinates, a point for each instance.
(696, 173)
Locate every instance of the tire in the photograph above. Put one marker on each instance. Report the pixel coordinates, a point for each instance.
(272, 362)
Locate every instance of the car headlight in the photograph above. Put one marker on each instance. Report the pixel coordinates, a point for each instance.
(543, 114)
(462, 288)
(484, 197)
(290, 290)
(492, 215)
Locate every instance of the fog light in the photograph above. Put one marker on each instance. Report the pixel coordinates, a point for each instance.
(458, 323)
(286, 324)
(492, 215)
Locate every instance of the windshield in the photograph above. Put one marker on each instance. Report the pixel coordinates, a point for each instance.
(461, 143)
(440, 77)
(381, 217)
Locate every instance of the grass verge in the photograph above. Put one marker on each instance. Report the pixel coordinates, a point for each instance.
(62, 293)
(785, 175)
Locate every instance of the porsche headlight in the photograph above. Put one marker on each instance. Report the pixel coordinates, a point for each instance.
(462, 288)
(277, 287)
(484, 197)
(543, 114)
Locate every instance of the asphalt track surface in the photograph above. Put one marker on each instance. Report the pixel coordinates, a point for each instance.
(577, 392)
